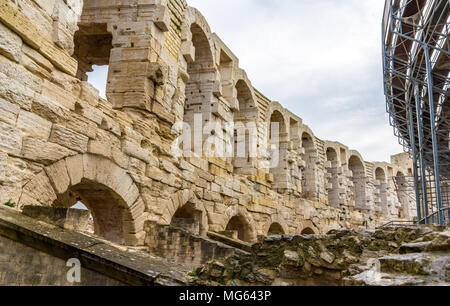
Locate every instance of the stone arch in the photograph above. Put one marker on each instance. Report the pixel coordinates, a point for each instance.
(203, 83)
(242, 222)
(358, 179)
(195, 18)
(275, 229)
(245, 128)
(332, 175)
(106, 189)
(278, 221)
(310, 162)
(381, 189)
(308, 231)
(309, 227)
(188, 206)
(278, 145)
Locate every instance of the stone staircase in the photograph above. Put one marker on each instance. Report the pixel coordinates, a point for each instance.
(424, 262)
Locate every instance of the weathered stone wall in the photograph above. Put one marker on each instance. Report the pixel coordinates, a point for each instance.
(61, 143)
(21, 265)
(34, 253)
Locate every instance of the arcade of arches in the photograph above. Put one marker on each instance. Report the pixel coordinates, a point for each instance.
(61, 143)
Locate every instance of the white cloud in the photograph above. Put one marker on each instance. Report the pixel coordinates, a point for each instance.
(320, 59)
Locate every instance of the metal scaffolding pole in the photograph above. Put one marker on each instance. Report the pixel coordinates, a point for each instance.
(437, 177)
(421, 161)
(414, 157)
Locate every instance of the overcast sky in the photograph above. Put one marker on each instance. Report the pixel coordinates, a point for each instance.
(321, 59)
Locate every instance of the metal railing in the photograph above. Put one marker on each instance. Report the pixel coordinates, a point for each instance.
(398, 224)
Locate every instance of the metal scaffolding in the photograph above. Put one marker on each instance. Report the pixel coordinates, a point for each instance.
(416, 65)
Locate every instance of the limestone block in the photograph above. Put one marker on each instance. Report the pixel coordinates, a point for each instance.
(186, 166)
(35, 37)
(88, 111)
(8, 112)
(34, 125)
(89, 93)
(82, 125)
(9, 193)
(10, 139)
(74, 166)
(43, 152)
(134, 239)
(120, 158)
(188, 51)
(15, 92)
(47, 5)
(59, 94)
(20, 74)
(135, 150)
(69, 139)
(138, 208)
(58, 175)
(162, 17)
(50, 110)
(108, 124)
(10, 44)
(3, 163)
(37, 58)
(136, 225)
(40, 189)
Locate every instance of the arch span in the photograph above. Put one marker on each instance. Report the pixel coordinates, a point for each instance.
(186, 205)
(106, 189)
(240, 220)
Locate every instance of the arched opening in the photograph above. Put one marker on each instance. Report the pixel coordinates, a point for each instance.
(358, 179)
(93, 44)
(108, 209)
(239, 228)
(380, 190)
(309, 173)
(402, 195)
(245, 130)
(90, 229)
(278, 144)
(332, 177)
(188, 218)
(200, 100)
(275, 229)
(308, 231)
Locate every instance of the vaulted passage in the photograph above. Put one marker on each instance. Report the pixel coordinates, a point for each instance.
(358, 179)
(245, 135)
(307, 231)
(93, 46)
(188, 218)
(381, 190)
(275, 229)
(278, 145)
(333, 178)
(240, 227)
(106, 206)
(309, 173)
(199, 92)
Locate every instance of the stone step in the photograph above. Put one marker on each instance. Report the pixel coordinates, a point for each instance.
(373, 278)
(413, 264)
(414, 247)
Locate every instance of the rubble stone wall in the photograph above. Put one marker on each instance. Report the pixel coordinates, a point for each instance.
(61, 143)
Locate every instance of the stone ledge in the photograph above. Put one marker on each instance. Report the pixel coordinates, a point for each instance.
(131, 268)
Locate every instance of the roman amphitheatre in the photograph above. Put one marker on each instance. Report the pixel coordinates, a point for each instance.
(168, 219)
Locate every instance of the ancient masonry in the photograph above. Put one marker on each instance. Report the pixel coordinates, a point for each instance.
(61, 143)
